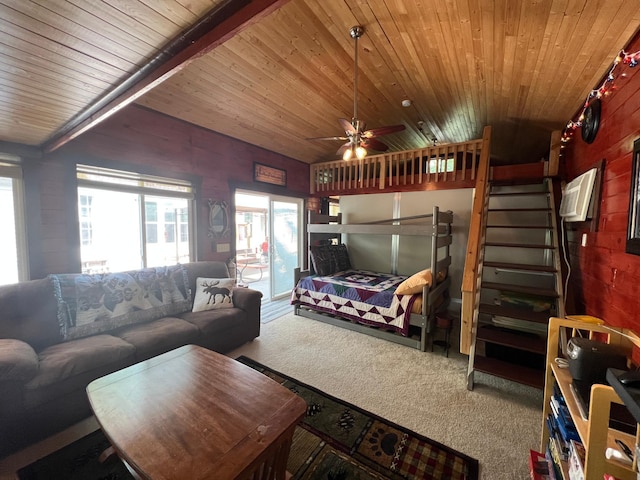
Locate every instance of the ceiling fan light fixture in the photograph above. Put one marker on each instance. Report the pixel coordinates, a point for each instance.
(354, 130)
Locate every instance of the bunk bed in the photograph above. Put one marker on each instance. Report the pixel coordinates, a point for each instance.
(334, 292)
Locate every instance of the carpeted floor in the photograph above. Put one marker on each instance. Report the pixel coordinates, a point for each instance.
(497, 423)
(336, 440)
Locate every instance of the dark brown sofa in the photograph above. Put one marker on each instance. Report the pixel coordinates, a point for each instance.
(43, 376)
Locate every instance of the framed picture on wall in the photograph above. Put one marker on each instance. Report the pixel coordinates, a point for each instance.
(633, 225)
(266, 174)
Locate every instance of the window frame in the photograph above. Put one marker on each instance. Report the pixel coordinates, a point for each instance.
(11, 167)
(145, 185)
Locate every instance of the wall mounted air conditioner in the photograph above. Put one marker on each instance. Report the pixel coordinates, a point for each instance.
(576, 204)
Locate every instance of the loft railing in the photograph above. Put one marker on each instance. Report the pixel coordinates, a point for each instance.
(450, 163)
(474, 256)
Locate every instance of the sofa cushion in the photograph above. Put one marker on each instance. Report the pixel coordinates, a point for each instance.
(158, 336)
(213, 293)
(90, 304)
(214, 322)
(29, 313)
(76, 357)
(18, 361)
(209, 269)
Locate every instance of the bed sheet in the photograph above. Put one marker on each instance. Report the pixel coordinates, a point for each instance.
(359, 295)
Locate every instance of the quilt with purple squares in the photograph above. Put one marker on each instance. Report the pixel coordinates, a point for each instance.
(358, 295)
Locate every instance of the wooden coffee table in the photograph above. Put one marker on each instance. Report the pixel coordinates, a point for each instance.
(193, 413)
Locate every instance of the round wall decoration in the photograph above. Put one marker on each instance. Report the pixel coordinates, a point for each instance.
(591, 121)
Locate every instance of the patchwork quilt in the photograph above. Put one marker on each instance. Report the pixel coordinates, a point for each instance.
(359, 295)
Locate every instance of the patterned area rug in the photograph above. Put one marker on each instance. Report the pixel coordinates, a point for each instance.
(339, 441)
(336, 441)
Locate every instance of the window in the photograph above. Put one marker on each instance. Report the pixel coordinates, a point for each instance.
(170, 226)
(86, 231)
(129, 220)
(14, 264)
(183, 222)
(151, 221)
(440, 165)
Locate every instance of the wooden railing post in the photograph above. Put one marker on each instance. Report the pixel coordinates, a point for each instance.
(383, 171)
(554, 153)
(469, 278)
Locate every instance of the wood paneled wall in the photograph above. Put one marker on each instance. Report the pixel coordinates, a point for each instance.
(142, 140)
(605, 278)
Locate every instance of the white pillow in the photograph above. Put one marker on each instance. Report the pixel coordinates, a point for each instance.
(213, 293)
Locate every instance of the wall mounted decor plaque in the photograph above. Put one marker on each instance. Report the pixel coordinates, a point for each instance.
(266, 174)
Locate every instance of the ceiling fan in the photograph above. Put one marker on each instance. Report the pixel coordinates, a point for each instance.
(359, 139)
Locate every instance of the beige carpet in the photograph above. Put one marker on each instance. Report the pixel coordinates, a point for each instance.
(497, 423)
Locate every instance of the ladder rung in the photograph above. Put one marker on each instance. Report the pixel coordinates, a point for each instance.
(521, 266)
(518, 245)
(510, 371)
(539, 292)
(545, 227)
(528, 342)
(514, 312)
(513, 194)
(517, 182)
(519, 210)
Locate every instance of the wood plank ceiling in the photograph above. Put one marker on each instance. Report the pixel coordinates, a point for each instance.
(523, 66)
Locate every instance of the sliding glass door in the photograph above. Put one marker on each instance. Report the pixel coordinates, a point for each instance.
(268, 241)
(285, 248)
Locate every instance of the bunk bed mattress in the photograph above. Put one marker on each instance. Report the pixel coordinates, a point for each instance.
(359, 295)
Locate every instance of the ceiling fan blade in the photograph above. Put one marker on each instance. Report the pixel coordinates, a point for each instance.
(328, 138)
(373, 144)
(378, 132)
(342, 149)
(346, 126)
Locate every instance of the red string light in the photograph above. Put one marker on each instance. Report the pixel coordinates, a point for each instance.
(607, 87)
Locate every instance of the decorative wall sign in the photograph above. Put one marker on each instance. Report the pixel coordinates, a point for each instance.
(266, 174)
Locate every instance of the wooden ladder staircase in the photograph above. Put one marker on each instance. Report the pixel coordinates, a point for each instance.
(519, 283)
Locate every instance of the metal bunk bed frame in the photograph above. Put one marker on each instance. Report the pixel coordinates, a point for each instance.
(325, 227)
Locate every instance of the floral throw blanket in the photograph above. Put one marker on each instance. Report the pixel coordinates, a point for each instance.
(96, 303)
(360, 295)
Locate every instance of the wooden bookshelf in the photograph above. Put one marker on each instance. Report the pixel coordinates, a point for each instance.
(595, 433)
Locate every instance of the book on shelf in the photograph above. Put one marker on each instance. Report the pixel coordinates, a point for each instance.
(538, 466)
(576, 461)
(562, 417)
(556, 452)
(555, 472)
(556, 437)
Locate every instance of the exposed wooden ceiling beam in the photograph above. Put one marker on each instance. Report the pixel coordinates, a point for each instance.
(215, 28)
